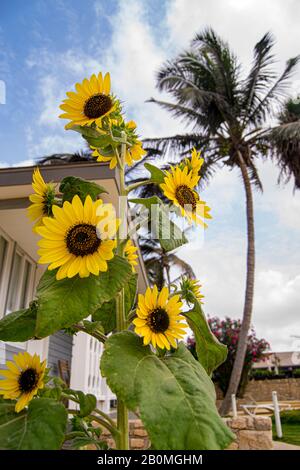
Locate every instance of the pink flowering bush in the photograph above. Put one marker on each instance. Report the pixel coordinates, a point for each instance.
(227, 332)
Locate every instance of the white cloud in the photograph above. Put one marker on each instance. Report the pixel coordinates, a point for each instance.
(133, 59)
(242, 24)
(27, 162)
(54, 143)
(280, 200)
(220, 266)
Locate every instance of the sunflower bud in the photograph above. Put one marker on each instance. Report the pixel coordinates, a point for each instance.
(190, 289)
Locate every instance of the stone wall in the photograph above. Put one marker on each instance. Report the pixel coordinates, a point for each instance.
(287, 389)
(261, 390)
(252, 433)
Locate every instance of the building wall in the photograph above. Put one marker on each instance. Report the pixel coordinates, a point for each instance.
(60, 348)
(10, 351)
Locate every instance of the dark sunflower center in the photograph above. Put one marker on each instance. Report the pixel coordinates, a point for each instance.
(28, 380)
(185, 196)
(82, 240)
(158, 320)
(97, 105)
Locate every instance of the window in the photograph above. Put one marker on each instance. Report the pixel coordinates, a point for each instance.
(3, 251)
(17, 272)
(26, 285)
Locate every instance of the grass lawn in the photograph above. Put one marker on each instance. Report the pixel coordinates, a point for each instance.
(290, 421)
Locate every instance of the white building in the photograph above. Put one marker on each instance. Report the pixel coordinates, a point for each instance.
(20, 273)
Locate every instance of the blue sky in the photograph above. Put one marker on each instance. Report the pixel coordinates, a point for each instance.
(46, 46)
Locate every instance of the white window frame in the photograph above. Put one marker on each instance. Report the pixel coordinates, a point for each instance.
(6, 271)
(12, 249)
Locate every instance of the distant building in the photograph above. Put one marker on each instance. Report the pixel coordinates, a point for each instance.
(279, 362)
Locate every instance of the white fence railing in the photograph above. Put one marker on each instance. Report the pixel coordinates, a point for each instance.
(85, 370)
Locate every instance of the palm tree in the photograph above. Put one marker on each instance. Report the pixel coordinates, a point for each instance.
(62, 158)
(228, 117)
(158, 263)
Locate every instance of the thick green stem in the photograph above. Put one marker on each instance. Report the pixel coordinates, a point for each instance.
(122, 413)
(122, 440)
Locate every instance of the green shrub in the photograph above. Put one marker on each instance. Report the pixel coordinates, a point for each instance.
(261, 374)
(296, 373)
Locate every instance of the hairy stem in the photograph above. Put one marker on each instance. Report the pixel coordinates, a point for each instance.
(122, 440)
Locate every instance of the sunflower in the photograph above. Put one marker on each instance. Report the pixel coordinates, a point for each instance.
(90, 103)
(42, 199)
(194, 163)
(23, 379)
(130, 254)
(191, 289)
(134, 151)
(159, 318)
(78, 239)
(179, 187)
(111, 157)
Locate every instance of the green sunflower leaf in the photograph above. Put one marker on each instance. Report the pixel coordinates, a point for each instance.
(174, 395)
(210, 352)
(63, 303)
(41, 427)
(157, 175)
(169, 234)
(70, 186)
(20, 325)
(106, 314)
(93, 137)
(87, 402)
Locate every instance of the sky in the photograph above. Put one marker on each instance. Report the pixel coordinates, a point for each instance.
(45, 47)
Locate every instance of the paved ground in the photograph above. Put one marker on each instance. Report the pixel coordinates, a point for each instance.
(283, 446)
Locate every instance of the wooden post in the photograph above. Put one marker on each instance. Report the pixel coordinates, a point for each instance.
(233, 404)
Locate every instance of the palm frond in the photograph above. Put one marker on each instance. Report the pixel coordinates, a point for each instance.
(179, 144)
(254, 176)
(155, 271)
(285, 151)
(179, 263)
(277, 92)
(204, 79)
(179, 111)
(290, 111)
(138, 166)
(223, 63)
(62, 158)
(260, 75)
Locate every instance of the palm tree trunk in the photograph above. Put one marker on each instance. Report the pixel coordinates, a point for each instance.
(247, 314)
